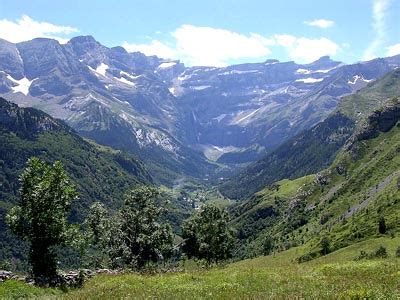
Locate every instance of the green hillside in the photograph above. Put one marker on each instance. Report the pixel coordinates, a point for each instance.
(100, 173)
(343, 202)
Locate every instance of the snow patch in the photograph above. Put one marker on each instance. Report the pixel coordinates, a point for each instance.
(303, 71)
(239, 72)
(125, 81)
(358, 77)
(166, 65)
(100, 70)
(172, 90)
(310, 80)
(201, 87)
(22, 86)
(247, 116)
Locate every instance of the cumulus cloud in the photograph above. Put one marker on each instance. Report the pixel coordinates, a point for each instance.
(218, 47)
(153, 48)
(379, 11)
(206, 46)
(306, 50)
(393, 50)
(321, 23)
(26, 28)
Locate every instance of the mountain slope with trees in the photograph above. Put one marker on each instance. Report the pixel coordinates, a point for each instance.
(99, 173)
(355, 199)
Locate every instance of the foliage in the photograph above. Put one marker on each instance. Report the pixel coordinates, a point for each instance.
(97, 231)
(268, 245)
(382, 225)
(207, 235)
(381, 252)
(41, 216)
(397, 252)
(137, 237)
(325, 245)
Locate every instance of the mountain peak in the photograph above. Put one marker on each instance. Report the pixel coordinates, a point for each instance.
(84, 41)
(325, 58)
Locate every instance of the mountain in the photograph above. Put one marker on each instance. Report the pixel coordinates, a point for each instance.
(100, 174)
(104, 93)
(343, 202)
(314, 149)
(181, 121)
(239, 112)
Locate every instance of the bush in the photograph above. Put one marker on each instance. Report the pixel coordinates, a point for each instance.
(307, 257)
(398, 252)
(363, 255)
(381, 252)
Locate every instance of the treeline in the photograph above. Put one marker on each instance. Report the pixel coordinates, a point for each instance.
(132, 238)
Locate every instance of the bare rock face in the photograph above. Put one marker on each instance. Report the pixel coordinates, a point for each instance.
(381, 120)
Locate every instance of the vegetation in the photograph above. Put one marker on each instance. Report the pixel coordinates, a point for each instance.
(356, 198)
(271, 277)
(137, 237)
(207, 235)
(41, 216)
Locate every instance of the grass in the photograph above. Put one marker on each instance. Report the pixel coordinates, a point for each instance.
(335, 276)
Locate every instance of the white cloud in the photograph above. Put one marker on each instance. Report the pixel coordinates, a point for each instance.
(26, 29)
(207, 46)
(379, 9)
(306, 50)
(218, 47)
(393, 50)
(321, 23)
(154, 48)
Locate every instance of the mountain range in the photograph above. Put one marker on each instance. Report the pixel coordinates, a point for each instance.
(183, 122)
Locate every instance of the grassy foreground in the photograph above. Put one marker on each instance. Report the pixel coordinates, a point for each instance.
(334, 276)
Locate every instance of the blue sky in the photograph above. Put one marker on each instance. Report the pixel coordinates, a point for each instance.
(218, 32)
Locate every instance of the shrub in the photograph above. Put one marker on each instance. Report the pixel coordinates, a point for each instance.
(325, 245)
(381, 252)
(398, 252)
(382, 225)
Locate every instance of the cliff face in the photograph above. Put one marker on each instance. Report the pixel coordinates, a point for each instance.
(381, 120)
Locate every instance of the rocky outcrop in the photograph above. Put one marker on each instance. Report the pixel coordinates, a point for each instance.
(381, 120)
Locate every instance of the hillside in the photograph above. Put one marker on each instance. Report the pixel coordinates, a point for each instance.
(270, 277)
(100, 174)
(316, 148)
(343, 202)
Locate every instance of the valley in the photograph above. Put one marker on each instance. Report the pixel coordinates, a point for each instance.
(191, 163)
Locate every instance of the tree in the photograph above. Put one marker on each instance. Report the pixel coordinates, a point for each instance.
(207, 235)
(139, 238)
(46, 194)
(382, 225)
(97, 232)
(96, 223)
(267, 245)
(325, 245)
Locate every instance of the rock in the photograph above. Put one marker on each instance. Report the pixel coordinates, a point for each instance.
(5, 275)
(104, 271)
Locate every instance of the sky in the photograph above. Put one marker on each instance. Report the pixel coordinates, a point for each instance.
(216, 32)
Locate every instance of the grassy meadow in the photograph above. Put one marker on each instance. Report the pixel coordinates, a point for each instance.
(335, 276)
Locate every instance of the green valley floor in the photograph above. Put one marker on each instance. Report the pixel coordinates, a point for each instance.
(335, 276)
